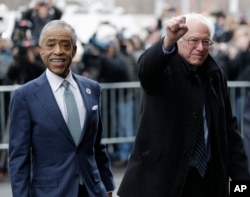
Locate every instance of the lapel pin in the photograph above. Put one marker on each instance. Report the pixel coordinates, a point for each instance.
(88, 91)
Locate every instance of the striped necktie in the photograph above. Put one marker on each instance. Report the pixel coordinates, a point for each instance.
(200, 151)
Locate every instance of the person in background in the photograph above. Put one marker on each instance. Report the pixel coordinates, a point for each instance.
(110, 61)
(49, 155)
(42, 12)
(187, 143)
(25, 66)
(246, 127)
(239, 55)
(6, 57)
(239, 65)
(221, 32)
(138, 46)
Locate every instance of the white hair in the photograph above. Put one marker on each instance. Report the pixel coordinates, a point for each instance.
(58, 23)
(203, 19)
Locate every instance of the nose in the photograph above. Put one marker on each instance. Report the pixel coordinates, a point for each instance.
(57, 49)
(200, 45)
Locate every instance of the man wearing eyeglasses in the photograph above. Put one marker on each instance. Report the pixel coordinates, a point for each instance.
(187, 143)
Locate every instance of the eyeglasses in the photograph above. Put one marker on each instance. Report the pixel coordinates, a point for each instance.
(195, 42)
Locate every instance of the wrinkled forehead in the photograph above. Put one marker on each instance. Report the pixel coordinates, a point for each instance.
(200, 24)
(197, 28)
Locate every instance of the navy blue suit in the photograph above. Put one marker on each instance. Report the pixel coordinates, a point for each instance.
(44, 160)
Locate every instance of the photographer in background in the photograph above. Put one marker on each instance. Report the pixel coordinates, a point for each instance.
(25, 67)
(5, 57)
(43, 12)
(107, 59)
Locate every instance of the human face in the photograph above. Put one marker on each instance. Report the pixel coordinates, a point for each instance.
(57, 50)
(195, 54)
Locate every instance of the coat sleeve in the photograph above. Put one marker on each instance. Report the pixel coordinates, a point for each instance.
(152, 64)
(19, 145)
(102, 158)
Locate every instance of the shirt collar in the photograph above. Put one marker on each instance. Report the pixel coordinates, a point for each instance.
(55, 81)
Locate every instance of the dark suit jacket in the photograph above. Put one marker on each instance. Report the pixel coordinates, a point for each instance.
(44, 160)
(172, 107)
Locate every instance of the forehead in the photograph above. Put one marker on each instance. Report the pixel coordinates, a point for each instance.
(57, 33)
(197, 29)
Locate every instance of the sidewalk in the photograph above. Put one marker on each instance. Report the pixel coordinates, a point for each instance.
(5, 190)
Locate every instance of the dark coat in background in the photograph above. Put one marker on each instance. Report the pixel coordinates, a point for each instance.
(246, 127)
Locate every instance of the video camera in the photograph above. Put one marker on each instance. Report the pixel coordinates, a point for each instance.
(21, 31)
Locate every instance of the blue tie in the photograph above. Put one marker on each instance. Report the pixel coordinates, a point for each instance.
(200, 151)
(72, 112)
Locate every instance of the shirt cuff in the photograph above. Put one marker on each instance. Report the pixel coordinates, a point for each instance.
(168, 52)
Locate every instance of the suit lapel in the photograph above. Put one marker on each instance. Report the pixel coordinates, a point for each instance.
(46, 97)
(86, 92)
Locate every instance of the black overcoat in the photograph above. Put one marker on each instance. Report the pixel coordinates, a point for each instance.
(171, 110)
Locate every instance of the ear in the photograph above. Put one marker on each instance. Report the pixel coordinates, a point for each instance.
(74, 51)
(40, 50)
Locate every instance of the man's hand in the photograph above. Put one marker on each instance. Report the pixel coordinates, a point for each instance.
(175, 28)
(109, 194)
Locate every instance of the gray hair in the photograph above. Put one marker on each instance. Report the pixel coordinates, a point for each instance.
(205, 20)
(58, 23)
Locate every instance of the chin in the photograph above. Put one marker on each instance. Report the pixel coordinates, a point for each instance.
(197, 63)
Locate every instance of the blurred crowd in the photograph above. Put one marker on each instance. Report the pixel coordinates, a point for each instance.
(111, 54)
(20, 60)
(232, 44)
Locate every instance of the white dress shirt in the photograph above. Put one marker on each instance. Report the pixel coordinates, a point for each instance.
(55, 82)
